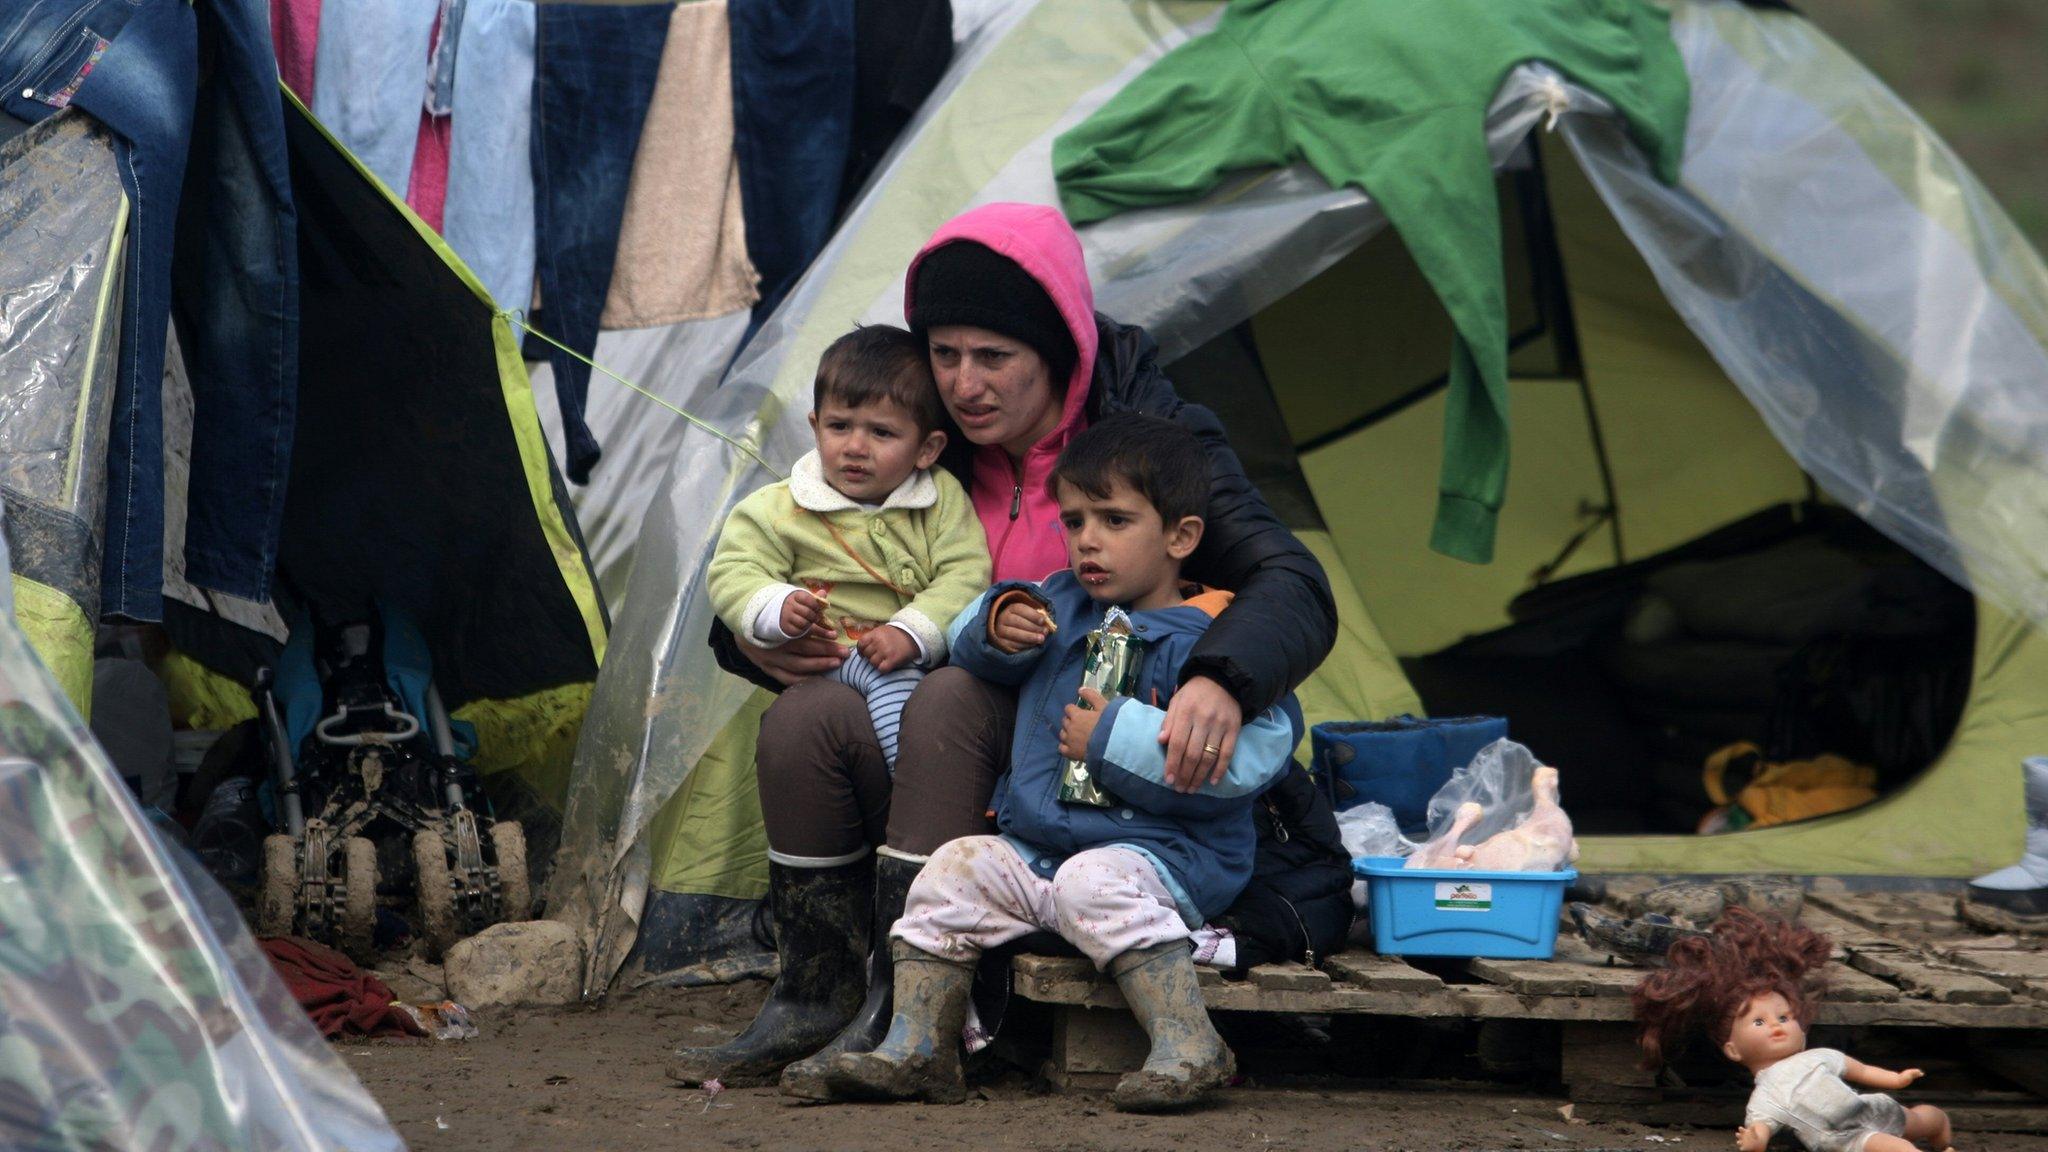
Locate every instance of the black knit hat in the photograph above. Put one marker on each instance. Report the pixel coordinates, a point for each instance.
(968, 283)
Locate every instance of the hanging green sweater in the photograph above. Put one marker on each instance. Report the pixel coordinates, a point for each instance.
(1389, 95)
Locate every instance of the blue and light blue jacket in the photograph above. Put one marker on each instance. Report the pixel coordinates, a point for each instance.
(1201, 843)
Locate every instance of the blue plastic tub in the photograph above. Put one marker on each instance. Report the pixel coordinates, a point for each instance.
(1450, 912)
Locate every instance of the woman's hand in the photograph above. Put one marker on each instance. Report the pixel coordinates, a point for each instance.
(1200, 733)
(796, 661)
(1753, 1137)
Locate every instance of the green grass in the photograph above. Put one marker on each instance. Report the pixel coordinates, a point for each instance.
(1973, 69)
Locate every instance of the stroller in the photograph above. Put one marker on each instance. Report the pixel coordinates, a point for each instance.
(372, 792)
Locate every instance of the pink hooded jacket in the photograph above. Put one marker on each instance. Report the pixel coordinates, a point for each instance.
(1023, 523)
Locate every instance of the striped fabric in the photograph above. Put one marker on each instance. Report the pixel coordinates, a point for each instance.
(885, 693)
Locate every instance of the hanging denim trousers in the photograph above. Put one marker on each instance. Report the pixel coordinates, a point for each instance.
(792, 94)
(594, 73)
(140, 85)
(235, 293)
(489, 90)
(134, 66)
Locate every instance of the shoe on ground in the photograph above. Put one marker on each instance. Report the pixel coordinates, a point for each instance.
(1644, 939)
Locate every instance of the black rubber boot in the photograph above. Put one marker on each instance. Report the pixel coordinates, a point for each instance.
(806, 1077)
(821, 938)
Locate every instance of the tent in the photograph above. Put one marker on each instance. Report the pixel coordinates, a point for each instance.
(138, 1009)
(1826, 320)
(420, 477)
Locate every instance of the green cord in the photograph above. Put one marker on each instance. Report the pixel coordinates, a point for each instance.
(515, 318)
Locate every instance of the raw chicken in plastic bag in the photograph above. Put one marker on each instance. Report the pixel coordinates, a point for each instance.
(1500, 813)
(1370, 830)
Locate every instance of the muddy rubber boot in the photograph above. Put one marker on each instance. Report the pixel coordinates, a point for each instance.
(821, 938)
(1188, 1059)
(806, 1077)
(920, 1057)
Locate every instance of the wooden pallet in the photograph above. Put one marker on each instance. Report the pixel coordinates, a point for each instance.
(1877, 979)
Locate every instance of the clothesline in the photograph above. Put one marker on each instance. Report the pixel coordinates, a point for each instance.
(637, 165)
(742, 445)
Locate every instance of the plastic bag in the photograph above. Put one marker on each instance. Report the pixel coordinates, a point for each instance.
(1501, 812)
(445, 1020)
(1497, 780)
(1370, 830)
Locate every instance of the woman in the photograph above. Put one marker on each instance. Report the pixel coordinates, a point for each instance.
(1022, 362)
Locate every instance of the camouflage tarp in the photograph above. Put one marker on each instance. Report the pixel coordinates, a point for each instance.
(135, 1010)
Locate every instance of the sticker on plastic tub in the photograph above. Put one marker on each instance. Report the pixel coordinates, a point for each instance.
(1464, 896)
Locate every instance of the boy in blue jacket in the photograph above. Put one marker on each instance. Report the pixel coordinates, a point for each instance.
(1126, 884)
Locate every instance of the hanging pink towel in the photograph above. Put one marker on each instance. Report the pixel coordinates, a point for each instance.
(294, 33)
(427, 192)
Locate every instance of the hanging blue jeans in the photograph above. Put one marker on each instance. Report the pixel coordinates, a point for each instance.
(792, 91)
(141, 86)
(488, 219)
(133, 64)
(235, 281)
(594, 74)
(370, 75)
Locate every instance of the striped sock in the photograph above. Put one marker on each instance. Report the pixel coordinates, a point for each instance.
(885, 692)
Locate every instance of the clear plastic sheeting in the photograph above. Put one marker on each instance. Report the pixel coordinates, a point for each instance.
(660, 699)
(135, 1010)
(62, 217)
(680, 363)
(1860, 287)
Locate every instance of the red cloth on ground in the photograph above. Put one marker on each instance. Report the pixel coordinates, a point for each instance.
(294, 33)
(341, 998)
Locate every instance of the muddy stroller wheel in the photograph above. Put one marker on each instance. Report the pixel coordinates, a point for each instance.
(359, 897)
(277, 903)
(439, 924)
(515, 893)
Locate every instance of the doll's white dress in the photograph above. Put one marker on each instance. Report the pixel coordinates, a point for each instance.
(1806, 1093)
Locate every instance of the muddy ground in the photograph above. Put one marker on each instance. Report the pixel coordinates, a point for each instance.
(591, 1080)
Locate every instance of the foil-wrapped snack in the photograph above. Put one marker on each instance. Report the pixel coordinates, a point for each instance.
(1110, 666)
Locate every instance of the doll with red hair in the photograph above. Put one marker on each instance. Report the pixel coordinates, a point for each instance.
(1749, 987)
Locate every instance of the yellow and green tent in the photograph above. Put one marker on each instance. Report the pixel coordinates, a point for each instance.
(1826, 310)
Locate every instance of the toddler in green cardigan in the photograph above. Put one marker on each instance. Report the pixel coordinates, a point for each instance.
(866, 542)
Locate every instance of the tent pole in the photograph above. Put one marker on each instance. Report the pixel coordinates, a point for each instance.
(1554, 305)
